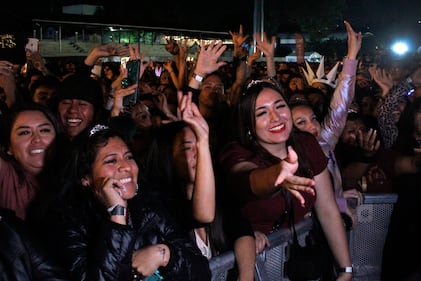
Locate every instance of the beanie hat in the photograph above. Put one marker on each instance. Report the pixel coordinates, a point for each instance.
(81, 87)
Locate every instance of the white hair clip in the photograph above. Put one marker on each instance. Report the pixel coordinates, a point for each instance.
(97, 128)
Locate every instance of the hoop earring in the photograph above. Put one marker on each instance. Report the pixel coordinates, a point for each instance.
(137, 189)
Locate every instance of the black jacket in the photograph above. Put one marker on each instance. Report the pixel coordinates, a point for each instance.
(96, 248)
(20, 259)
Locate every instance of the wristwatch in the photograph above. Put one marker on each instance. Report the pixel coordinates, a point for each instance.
(198, 77)
(347, 269)
(117, 210)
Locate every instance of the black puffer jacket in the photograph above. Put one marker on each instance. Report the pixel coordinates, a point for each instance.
(19, 257)
(96, 248)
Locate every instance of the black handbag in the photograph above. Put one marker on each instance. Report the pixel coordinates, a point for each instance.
(312, 261)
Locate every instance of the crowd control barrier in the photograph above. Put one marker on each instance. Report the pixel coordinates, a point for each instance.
(365, 241)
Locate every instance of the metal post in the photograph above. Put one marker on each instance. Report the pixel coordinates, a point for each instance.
(258, 19)
(59, 38)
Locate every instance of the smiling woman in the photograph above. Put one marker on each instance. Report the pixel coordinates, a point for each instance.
(27, 134)
(103, 229)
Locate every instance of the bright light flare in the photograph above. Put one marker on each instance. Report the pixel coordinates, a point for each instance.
(400, 48)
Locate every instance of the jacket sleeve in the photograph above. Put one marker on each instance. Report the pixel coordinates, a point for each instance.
(186, 261)
(95, 248)
(344, 93)
(387, 126)
(21, 257)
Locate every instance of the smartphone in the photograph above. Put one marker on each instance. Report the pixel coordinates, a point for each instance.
(133, 71)
(32, 45)
(124, 60)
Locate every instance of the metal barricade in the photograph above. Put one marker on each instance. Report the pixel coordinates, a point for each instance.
(270, 263)
(220, 265)
(366, 241)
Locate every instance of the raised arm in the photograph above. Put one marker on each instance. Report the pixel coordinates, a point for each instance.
(203, 199)
(344, 93)
(207, 61)
(240, 56)
(268, 49)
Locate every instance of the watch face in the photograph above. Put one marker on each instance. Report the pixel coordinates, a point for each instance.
(198, 77)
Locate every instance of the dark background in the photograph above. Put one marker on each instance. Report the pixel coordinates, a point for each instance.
(385, 20)
(222, 15)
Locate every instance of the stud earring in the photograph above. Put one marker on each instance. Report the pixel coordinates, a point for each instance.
(249, 135)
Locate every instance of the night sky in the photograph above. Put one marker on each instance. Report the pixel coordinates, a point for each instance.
(381, 17)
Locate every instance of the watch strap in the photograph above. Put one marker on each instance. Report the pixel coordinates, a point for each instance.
(117, 210)
(346, 269)
(198, 77)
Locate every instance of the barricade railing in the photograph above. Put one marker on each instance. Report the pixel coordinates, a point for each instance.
(220, 265)
(365, 241)
(270, 263)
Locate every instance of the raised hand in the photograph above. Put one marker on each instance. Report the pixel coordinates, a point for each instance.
(238, 40)
(207, 61)
(106, 50)
(294, 184)
(368, 142)
(264, 45)
(354, 41)
(383, 78)
(172, 47)
(191, 115)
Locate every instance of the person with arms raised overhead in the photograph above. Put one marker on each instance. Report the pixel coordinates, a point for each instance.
(330, 129)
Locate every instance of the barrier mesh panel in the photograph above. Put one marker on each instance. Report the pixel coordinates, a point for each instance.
(367, 240)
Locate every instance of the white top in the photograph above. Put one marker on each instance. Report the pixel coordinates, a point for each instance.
(204, 248)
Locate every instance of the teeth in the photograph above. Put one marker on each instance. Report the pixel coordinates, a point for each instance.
(126, 180)
(37, 151)
(74, 120)
(276, 128)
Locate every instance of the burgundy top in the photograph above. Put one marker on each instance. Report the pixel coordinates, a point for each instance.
(262, 213)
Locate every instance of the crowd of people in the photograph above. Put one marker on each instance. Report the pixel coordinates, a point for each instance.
(207, 160)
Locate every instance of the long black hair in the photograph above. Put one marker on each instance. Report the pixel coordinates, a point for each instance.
(245, 123)
(65, 184)
(161, 169)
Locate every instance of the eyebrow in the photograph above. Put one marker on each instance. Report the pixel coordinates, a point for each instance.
(109, 155)
(276, 102)
(39, 125)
